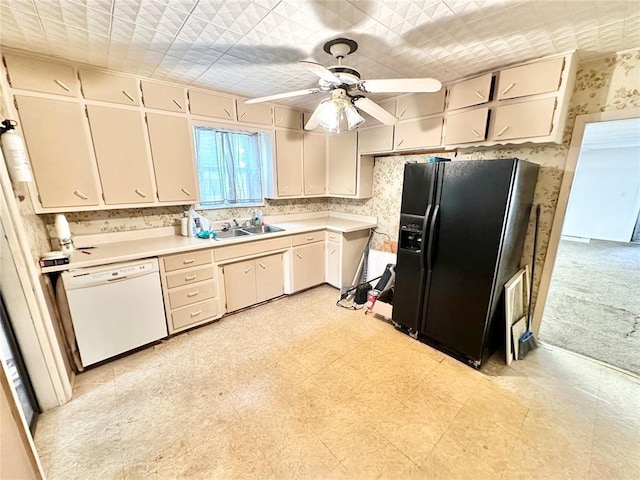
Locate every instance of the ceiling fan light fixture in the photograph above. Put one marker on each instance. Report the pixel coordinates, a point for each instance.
(338, 114)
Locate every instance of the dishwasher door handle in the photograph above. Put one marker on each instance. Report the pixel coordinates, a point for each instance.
(119, 279)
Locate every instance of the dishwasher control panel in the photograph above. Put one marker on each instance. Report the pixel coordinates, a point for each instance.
(99, 275)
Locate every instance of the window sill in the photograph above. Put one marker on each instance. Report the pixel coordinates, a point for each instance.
(229, 206)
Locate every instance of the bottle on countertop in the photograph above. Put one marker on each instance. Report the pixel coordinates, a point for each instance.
(184, 225)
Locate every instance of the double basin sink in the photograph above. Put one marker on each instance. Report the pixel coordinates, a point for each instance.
(245, 231)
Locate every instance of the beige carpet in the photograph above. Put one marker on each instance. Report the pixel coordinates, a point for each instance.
(593, 306)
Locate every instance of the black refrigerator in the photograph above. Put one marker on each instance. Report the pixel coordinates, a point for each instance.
(462, 231)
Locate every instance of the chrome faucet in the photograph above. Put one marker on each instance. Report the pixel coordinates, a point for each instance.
(235, 223)
(226, 226)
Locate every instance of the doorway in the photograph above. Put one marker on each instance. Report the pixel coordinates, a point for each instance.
(592, 306)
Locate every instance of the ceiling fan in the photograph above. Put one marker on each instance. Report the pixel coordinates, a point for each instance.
(339, 112)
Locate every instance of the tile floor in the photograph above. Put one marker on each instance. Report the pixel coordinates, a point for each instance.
(299, 388)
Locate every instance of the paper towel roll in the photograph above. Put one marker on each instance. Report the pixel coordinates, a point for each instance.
(62, 227)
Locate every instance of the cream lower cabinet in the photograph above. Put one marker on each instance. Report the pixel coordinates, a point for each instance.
(344, 251)
(253, 281)
(308, 264)
(190, 289)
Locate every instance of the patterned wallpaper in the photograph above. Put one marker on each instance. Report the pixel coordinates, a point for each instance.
(609, 83)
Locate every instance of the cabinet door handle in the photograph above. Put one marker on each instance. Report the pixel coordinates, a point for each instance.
(187, 262)
(248, 269)
(279, 121)
(299, 256)
(188, 278)
(502, 131)
(475, 132)
(62, 85)
(402, 112)
(193, 294)
(285, 188)
(185, 191)
(78, 193)
(262, 265)
(400, 142)
(310, 238)
(478, 94)
(509, 88)
(333, 251)
(196, 313)
(243, 114)
(177, 103)
(310, 189)
(140, 192)
(227, 112)
(126, 94)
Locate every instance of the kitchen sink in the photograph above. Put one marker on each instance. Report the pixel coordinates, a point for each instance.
(262, 229)
(235, 232)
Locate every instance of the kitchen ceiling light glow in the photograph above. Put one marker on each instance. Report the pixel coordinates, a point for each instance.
(338, 114)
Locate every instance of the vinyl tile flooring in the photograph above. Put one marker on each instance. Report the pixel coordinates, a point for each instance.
(299, 388)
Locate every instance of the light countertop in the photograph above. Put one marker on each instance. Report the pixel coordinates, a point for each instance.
(163, 244)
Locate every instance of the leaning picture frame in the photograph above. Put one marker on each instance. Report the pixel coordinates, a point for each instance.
(516, 304)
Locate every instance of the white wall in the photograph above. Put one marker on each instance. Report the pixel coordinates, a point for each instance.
(605, 196)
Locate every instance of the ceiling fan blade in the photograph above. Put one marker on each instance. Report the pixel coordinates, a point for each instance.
(312, 123)
(400, 85)
(320, 70)
(375, 110)
(278, 96)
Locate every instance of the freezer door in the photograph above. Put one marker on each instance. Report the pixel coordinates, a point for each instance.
(417, 197)
(467, 232)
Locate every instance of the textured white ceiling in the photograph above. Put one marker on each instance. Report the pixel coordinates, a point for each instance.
(251, 48)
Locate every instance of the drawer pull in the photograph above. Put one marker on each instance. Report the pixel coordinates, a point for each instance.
(177, 103)
(193, 294)
(243, 115)
(478, 94)
(248, 269)
(196, 313)
(508, 88)
(140, 192)
(400, 142)
(78, 193)
(126, 94)
(402, 112)
(475, 132)
(262, 265)
(502, 131)
(227, 112)
(187, 262)
(332, 237)
(299, 256)
(310, 238)
(185, 191)
(188, 278)
(62, 85)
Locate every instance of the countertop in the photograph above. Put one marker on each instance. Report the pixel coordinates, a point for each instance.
(128, 250)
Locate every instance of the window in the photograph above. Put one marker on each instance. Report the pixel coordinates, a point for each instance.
(231, 166)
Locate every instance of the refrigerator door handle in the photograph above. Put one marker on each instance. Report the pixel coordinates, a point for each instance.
(425, 229)
(432, 230)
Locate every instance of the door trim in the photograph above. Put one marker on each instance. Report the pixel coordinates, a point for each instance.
(563, 199)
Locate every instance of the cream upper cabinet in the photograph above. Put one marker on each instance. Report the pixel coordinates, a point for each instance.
(426, 132)
(420, 104)
(369, 121)
(42, 76)
(240, 285)
(285, 117)
(531, 79)
(212, 105)
(376, 139)
(124, 164)
(109, 87)
(467, 127)
(308, 265)
(470, 92)
(59, 146)
(342, 163)
(164, 97)
(173, 159)
(314, 162)
(522, 120)
(269, 277)
(259, 113)
(289, 162)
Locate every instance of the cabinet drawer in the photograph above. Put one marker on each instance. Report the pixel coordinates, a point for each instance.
(251, 248)
(189, 276)
(185, 260)
(196, 293)
(540, 77)
(253, 113)
(470, 92)
(304, 238)
(420, 104)
(108, 87)
(211, 105)
(418, 134)
(195, 314)
(523, 120)
(42, 76)
(333, 236)
(467, 127)
(163, 97)
(285, 117)
(376, 139)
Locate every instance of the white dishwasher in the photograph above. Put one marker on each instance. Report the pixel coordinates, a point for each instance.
(115, 308)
